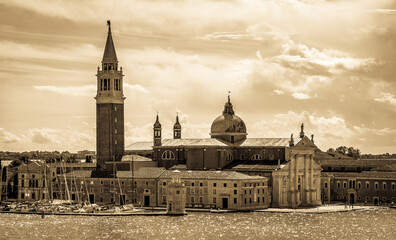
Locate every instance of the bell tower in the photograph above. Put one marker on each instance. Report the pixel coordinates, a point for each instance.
(177, 129)
(109, 107)
(157, 132)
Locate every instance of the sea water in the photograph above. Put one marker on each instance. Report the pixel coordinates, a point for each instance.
(375, 224)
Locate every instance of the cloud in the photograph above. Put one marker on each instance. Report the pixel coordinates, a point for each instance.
(383, 11)
(23, 51)
(278, 92)
(87, 90)
(387, 98)
(301, 96)
(300, 55)
(8, 137)
(136, 87)
(42, 136)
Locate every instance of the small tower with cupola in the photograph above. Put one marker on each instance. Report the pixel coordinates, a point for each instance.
(157, 132)
(177, 129)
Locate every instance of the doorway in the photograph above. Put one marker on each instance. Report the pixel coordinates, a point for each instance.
(352, 198)
(225, 203)
(92, 198)
(146, 201)
(122, 199)
(376, 201)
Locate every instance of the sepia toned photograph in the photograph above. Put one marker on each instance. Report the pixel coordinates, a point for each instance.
(198, 119)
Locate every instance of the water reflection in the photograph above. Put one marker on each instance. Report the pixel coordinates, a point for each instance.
(379, 224)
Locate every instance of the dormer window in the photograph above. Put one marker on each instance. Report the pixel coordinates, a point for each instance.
(232, 139)
(105, 66)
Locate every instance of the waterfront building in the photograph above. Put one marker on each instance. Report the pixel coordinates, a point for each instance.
(33, 181)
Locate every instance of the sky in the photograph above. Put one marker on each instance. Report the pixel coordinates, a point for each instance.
(327, 64)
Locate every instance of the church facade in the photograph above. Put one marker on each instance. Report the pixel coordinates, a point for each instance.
(294, 177)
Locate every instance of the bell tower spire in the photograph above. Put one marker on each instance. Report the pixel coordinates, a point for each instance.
(109, 107)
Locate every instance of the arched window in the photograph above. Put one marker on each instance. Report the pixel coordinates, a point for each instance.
(168, 155)
(229, 157)
(257, 157)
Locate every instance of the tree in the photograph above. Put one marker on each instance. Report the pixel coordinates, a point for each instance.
(342, 150)
(331, 150)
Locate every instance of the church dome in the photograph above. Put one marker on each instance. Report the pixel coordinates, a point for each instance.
(228, 124)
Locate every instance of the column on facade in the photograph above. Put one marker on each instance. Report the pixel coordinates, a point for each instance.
(296, 178)
(311, 178)
(306, 185)
(291, 186)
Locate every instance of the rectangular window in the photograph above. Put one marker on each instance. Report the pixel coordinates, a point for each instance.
(325, 185)
(376, 186)
(235, 201)
(200, 199)
(359, 185)
(235, 192)
(338, 185)
(192, 184)
(258, 200)
(225, 185)
(214, 191)
(192, 199)
(115, 142)
(164, 183)
(101, 84)
(115, 119)
(367, 185)
(164, 199)
(214, 200)
(200, 184)
(214, 184)
(345, 185)
(384, 186)
(263, 190)
(242, 156)
(115, 131)
(105, 85)
(263, 200)
(393, 187)
(108, 84)
(235, 185)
